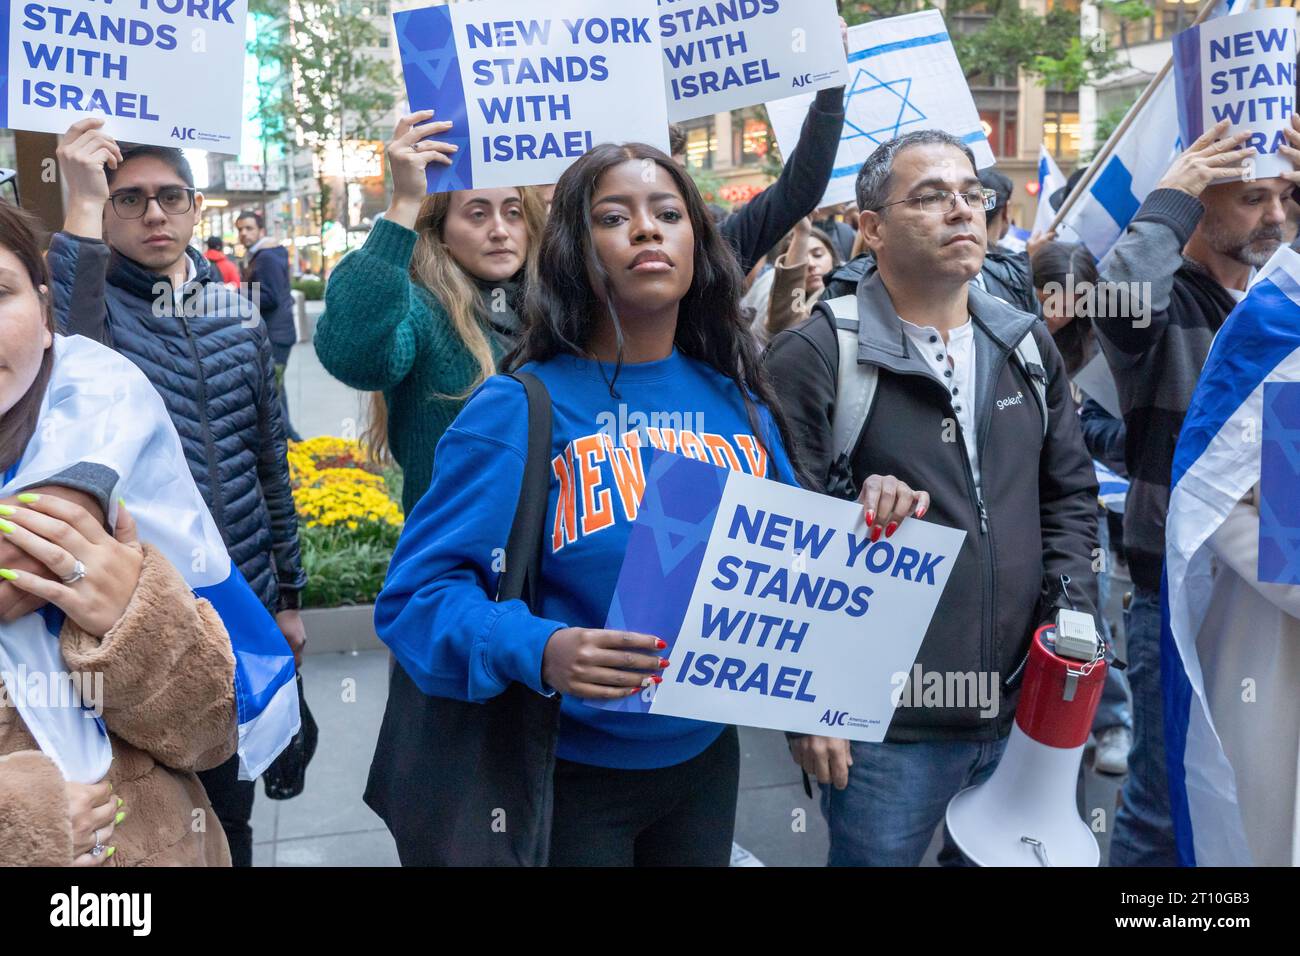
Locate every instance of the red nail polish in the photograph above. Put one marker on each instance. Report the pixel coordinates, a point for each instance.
(921, 513)
(871, 517)
(875, 534)
(656, 678)
(634, 690)
(893, 526)
(660, 643)
(663, 663)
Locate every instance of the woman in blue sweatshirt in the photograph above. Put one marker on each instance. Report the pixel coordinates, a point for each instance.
(635, 329)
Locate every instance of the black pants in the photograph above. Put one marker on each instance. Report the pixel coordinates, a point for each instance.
(674, 816)
(280, 356)
(232, 801)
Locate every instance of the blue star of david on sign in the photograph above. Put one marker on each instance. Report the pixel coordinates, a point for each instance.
(429, 62)
(432, 63)
(675, 539)
(886, 94)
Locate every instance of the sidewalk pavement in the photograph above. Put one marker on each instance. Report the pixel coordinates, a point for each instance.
(328, 825)
(319, 404)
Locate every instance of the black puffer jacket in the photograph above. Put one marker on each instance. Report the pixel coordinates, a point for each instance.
(213, 369)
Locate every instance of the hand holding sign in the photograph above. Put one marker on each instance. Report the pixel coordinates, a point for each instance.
(891, 500)
(1241, 69)
(1209, 160)
(85, 151)
(409, 155)
(776, 607)
(601, 664)
(1292, 151)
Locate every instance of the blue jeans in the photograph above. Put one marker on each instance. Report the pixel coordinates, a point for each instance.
(1113, 708)
(897, 795)
(1144, 832)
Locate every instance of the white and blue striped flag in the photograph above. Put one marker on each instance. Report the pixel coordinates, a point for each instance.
(1217, 462)
(100, 410)
(1138, 161)
(1050, 180)
(1112, 489)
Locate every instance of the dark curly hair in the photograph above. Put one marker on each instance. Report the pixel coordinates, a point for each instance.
(562, 308)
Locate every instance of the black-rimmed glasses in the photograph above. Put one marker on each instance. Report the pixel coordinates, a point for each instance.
(173, 200)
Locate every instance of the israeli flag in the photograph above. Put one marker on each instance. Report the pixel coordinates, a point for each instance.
(1049, 181)
(1112, 489)
(1140, 158)
(1216, 463)
(1014, 240)
(100, 410)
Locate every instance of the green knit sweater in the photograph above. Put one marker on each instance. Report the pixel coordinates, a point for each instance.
(382, 332)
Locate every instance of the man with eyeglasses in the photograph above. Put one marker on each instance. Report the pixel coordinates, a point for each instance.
(922, 374)
(1166, 288)
(125, 274)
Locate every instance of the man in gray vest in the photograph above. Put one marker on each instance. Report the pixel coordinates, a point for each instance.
(923, 375)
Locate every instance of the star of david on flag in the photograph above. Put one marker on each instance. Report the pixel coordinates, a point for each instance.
(904, 76)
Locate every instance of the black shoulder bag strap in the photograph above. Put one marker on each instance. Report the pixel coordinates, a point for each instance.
(470, 784)
(521, 576)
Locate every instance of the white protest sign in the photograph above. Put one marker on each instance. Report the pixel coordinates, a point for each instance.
(903, 76)
(778, 609)
(530, 87)
(722, 55)
(1240, 68)
(163, 72)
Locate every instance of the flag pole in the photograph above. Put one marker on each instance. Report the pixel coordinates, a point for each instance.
(1080, 188)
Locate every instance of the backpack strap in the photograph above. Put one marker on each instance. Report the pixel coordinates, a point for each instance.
(521, 576)
(855, 385)
(1031, 361)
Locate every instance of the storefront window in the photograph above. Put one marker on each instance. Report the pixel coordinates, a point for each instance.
(701, 144)
(1061, 125)
(1061, 135)
(751, 141)
(1000, 127)
(1168, 17)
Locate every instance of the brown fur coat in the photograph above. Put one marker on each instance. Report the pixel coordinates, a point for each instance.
(169, 705)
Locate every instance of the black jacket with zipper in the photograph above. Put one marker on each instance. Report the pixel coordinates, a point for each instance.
(1033, 520)
(214, 372)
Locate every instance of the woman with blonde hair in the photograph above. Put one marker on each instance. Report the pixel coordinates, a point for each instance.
(423, 313)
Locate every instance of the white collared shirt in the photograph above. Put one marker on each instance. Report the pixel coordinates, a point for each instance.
(191, 273)
(954, 365)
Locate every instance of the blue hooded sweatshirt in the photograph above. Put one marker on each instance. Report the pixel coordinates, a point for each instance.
(436, 610)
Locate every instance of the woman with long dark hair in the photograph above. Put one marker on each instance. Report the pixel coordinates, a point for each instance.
(1065, 280)
(634, 327)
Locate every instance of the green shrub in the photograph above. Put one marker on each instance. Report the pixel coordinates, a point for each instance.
(313, 289)
(346, 565)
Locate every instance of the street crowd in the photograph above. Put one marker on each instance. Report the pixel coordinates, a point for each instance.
(476, 317)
